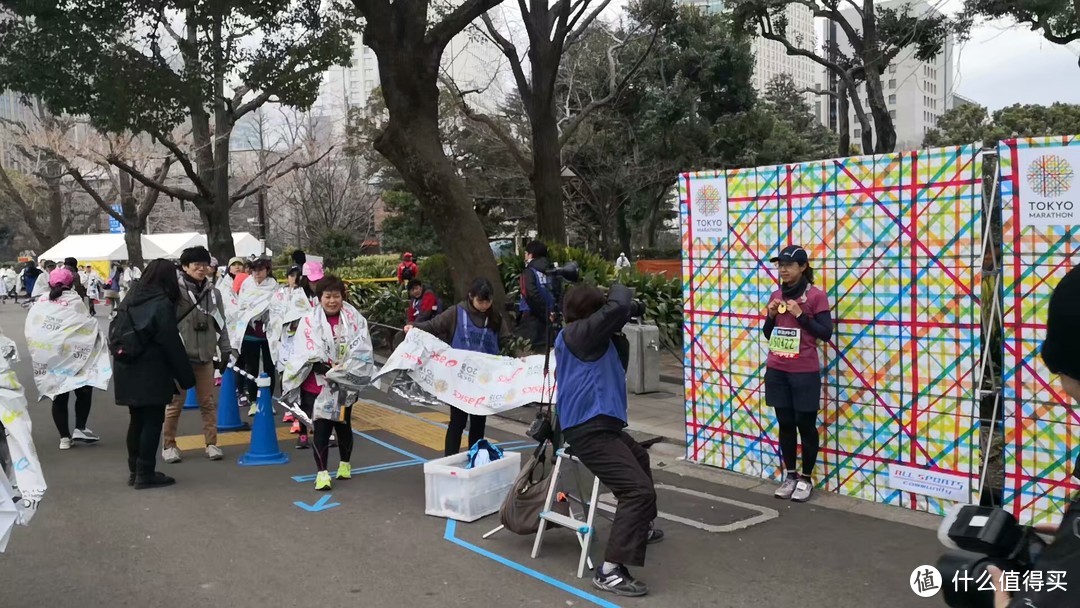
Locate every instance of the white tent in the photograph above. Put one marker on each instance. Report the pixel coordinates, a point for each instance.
(174, 244)
(98, 247)
(111, 247)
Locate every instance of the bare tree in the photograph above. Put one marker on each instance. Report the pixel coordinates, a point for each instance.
(43, 195)
(330, 196)
(552, 29)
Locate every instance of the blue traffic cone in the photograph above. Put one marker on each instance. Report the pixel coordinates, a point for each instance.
(264, 443)
(228, 411)
(192, 401)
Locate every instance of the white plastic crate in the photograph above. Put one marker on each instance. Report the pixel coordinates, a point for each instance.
(463, 494)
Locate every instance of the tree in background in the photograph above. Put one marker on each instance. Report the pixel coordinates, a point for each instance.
(681, 110)
(552, 29)
(876, 35)
(409, 44)
(42, 193)
(328, 203)
(148, 67)
(972, 123)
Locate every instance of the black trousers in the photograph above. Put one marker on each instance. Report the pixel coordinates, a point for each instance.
(143, 437)
(250, 352)
(307, 404)
(622, 465)
(323, 429)
(84, 395)
(458, 418)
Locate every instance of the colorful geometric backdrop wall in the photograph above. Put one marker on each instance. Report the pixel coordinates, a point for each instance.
(1040, 431)
(894, 241)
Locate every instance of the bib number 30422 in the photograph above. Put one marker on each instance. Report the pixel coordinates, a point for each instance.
(784, 342)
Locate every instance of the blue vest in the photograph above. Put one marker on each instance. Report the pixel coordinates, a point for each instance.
(545, 292)
(588, 389)
(467, 336)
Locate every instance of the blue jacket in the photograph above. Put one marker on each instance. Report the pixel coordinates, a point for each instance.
(590, 373)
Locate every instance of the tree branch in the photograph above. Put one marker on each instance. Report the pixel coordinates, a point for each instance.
(496, 129)
(104, 206)
(451, 25)
(177, 193)
(248, 191)
(510, 51)
(185, 162)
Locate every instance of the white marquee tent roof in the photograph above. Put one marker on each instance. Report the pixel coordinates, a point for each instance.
(111, 247)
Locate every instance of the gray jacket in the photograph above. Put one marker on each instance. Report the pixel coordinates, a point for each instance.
(203, 335)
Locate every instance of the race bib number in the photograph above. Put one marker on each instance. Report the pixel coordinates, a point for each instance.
(784, 342)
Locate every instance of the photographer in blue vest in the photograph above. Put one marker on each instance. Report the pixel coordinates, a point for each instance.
(537, 304)
(591, 410)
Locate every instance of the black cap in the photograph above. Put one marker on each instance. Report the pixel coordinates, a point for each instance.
(792, 253)
(1063, 327)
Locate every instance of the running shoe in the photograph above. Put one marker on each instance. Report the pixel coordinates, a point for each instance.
(802, 492)
(619, 582)
(322, 481)
(85, 436)
(786, 489)
(344, 471)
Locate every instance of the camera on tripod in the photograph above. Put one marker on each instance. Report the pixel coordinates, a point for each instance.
(980, 537)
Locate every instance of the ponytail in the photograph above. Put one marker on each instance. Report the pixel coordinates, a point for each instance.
(55, 291)
(808, 274)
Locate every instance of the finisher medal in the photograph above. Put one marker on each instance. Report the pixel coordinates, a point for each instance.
(781, 308)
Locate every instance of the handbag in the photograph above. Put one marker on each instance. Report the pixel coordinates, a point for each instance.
(520, 512)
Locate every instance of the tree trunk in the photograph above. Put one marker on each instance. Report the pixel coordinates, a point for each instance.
(546, 178)
(218, 234)
(622, 230)
(843, 123)
(133, 225)
(411, 141)
(873, 62)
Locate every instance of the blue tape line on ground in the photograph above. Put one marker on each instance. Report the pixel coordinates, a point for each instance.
(375, 468)
(451, 529)
(390, 446)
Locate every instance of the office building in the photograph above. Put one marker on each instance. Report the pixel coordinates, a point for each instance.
(916, 92)
(771, 58)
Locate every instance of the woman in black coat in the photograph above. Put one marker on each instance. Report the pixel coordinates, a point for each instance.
(147, 383)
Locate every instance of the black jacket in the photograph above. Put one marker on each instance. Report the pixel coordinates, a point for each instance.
(152, 378)
(537, 305)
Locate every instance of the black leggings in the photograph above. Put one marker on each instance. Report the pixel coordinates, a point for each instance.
(307, 404)
(793, 425)
(458, 418)
(143, 435)
(84, 395)
(249, 356)
(323, 429)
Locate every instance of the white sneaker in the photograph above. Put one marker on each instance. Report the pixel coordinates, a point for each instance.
(85, 436)
(214, 453)
(65, 443)
(786, 489)
(171, 455)
(802, 491)
(254, 409)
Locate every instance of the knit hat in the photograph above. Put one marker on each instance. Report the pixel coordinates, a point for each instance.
(1063, 327)
(313, 271)
(61, 276)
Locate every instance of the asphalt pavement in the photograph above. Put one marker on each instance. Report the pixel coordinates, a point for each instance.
(227, 535)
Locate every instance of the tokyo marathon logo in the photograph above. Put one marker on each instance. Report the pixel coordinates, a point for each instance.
(1050, 176)
(709, 201)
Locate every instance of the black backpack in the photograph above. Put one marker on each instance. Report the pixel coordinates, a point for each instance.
(126, 342)
(407, 273)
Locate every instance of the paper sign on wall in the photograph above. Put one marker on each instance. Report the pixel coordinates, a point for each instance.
(929, 483)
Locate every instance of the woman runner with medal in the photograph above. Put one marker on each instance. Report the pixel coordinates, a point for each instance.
(797, 317)
(472, 325)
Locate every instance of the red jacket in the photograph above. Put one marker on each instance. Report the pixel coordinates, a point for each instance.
(411, 265)
(424, 308)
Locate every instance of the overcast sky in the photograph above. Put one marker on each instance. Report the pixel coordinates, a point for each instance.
(1003, 64)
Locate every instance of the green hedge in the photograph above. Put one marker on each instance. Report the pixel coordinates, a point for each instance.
(369, 267)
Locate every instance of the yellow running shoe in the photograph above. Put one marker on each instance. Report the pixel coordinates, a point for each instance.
(322, 481)
(344, 471)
